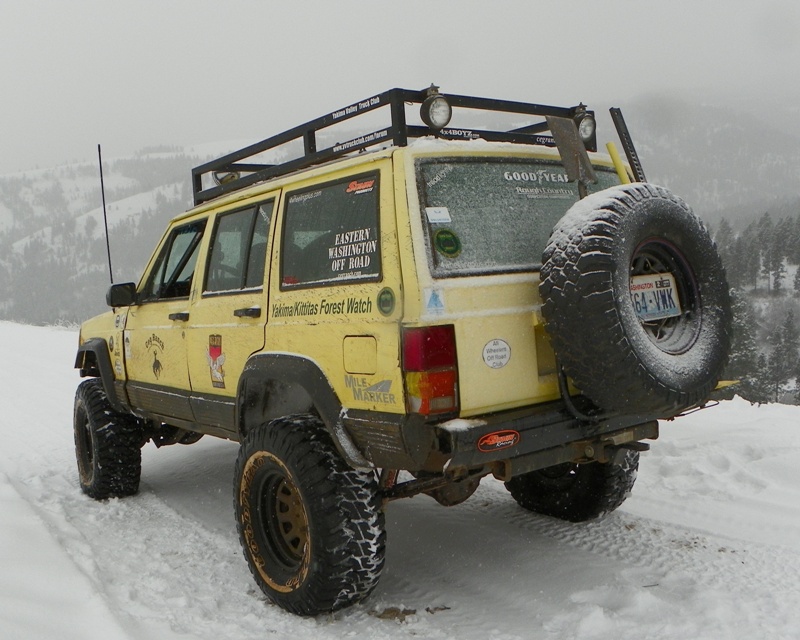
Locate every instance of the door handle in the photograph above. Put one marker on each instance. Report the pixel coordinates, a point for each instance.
(183, 316)
(248, 312)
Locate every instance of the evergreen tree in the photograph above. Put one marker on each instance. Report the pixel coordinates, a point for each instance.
(783, 358)
(793, 248)
(797, 385)
(765, 232)
(790, 339)
(725, 239)
(760, 388)
(743, 362)
(745, 260)
(797, 282)
(778, 272)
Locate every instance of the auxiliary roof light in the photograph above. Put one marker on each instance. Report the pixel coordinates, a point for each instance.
(225, 177)
(436, 111)
(585, 123)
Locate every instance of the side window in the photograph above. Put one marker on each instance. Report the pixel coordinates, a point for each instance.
(239, 249)
(330, 233)
(172, 273)
(258, 246)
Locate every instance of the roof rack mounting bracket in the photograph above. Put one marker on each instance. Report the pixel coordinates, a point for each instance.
(573, 153)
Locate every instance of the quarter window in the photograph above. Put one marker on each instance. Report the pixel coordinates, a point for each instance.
(331, 234)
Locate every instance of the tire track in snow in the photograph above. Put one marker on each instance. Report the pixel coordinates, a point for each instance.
(22, 538)
(677, 566)
(154, 567)
(501, 571)
(169, 565)
(165, 574)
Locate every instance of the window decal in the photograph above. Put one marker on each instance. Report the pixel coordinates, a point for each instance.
(331, 234)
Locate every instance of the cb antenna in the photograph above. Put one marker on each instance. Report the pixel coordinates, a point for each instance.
(105, 215)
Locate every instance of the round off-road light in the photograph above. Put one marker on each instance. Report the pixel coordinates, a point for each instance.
(436, 111)
(586, 127)
(225, 177)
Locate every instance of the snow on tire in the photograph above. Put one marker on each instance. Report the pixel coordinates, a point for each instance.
(108, 445)
(311, 528)
(577, 492)
(625, 356)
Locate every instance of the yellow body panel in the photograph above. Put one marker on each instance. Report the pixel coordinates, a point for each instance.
(109, 326)
(219, 342)
(155, 346)
(497, 346)
(483, 309)
(329, 323)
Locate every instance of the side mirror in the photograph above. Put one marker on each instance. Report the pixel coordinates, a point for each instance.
(121, 295)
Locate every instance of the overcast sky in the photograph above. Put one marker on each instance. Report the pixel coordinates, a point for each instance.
(75, 73)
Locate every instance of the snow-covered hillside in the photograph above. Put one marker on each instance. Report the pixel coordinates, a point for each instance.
(707, 547)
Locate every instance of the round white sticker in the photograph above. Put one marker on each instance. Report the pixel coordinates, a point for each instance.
(496, 354)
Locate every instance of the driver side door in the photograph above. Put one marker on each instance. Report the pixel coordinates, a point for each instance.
(155, 331)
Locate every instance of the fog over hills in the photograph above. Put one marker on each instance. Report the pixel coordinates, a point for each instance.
(725, 161)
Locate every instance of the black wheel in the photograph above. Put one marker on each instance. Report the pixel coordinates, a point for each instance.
(635, 301)
(107, 444)
(311, 528)
(576, 492)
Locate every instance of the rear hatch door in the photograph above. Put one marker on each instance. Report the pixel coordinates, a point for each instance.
(484, 223)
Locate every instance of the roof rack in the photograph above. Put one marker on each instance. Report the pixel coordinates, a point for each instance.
(231, 174)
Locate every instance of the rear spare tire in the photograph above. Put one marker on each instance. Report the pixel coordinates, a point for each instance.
(635, 301)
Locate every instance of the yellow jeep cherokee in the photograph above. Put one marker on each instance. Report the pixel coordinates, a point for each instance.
(407, 312)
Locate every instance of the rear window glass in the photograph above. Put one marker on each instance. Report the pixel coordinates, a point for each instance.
(331, 234)
(493, 216)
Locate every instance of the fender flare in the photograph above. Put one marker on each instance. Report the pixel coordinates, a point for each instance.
(274, 385)
(93, 359)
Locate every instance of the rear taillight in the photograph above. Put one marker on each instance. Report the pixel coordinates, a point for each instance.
(431, 369)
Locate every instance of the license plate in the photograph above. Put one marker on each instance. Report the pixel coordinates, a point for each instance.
(654, 296)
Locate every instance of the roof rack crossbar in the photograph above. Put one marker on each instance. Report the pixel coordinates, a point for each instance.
(397, 133)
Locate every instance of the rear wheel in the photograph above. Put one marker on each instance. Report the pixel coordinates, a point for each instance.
(576, 492)
(107, 444)
(311, 527)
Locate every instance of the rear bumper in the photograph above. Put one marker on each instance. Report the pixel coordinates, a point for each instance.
(517, 442)
(508, 443)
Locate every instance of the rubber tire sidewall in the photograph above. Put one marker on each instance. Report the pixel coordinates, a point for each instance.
(594, 329)
(584, 492)
(107, 445)
(346, 528)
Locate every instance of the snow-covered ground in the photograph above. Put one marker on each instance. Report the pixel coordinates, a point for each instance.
(707, 547)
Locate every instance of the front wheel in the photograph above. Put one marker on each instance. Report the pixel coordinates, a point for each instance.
(311, 528)
(107, 444)
(576, 492)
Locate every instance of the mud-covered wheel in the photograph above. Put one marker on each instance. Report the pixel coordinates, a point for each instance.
(311, 528)
(576, 492)
(107, 444)
(635, 301)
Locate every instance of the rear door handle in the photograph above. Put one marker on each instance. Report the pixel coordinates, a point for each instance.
(183, 316)
(248, 312)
